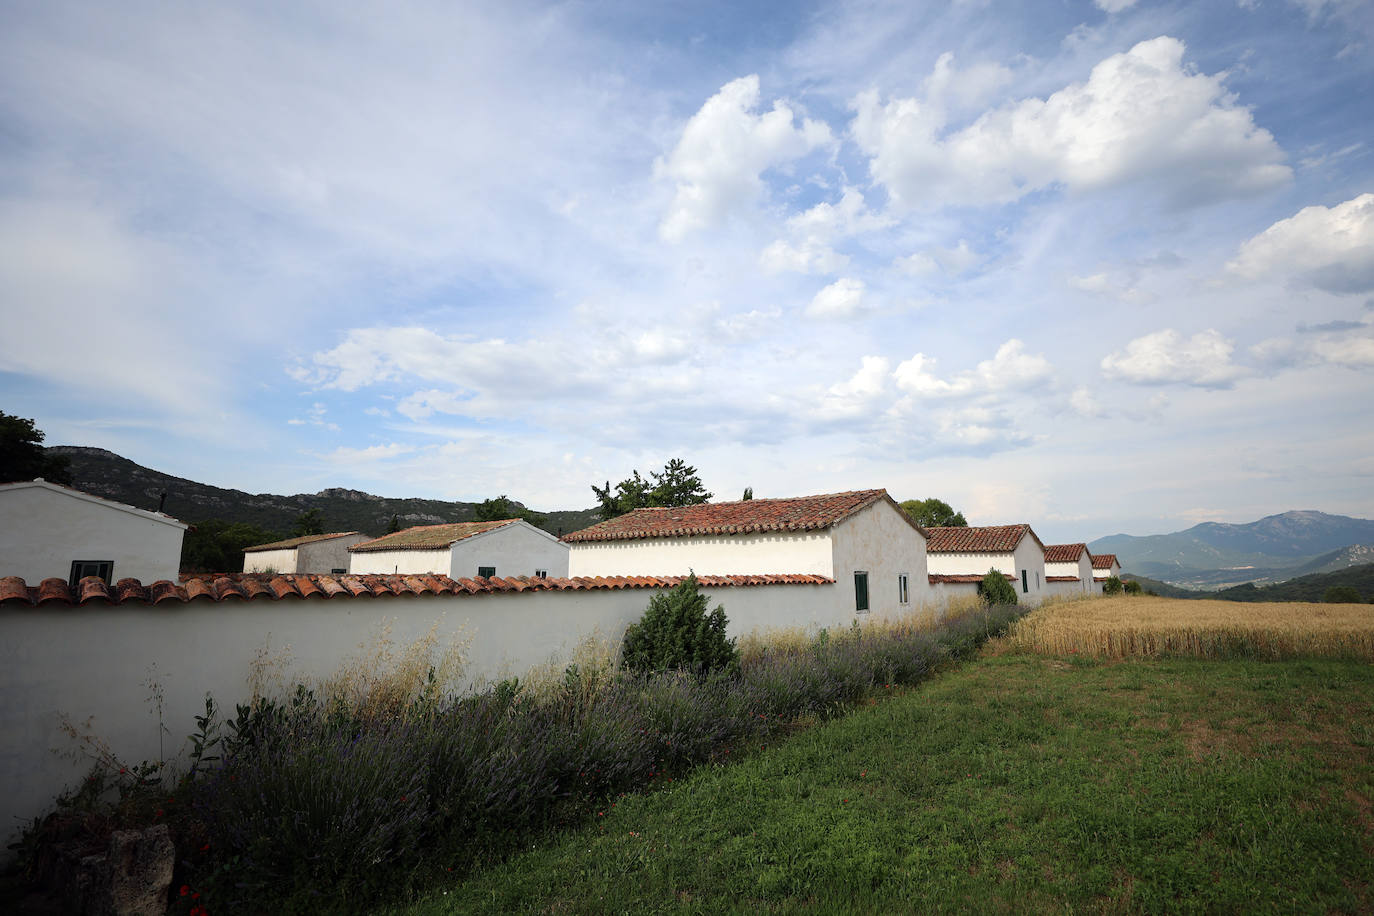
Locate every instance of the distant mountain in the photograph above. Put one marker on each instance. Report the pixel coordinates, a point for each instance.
(1301, 588)
(106, 474)
(1217, 555)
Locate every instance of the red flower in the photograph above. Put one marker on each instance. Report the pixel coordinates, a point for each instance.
(157, 813)
(185, 889)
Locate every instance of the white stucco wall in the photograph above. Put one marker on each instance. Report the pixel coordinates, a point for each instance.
(517, 549)
(1028, 556)
(740, 554)
(878, 541)
(1082, 569)
(278, 561)
(95, 663)
(399, 562)
(44, 529)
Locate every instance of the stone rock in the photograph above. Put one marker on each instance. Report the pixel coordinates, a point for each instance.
(132, 878)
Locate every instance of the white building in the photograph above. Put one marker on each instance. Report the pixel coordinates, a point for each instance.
(863, 540)
(1013, 550)
(313, 553)
(1104, 567)
(508, 547)
(1069, 569)
(48, 531)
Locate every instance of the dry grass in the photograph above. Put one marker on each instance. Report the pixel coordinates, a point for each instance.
(588, 668)
(1146, 627)
(384, 680)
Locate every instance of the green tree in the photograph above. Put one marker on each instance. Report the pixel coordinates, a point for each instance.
(933, 513)
(216, 545)
(748, 493)
(394, 525)
(503, 507)
(307, 523)
(1112, 586)
(995, 589)
(1341, 594)
(678, 633)
(1132, 587)
(22, 456)
(676, 485)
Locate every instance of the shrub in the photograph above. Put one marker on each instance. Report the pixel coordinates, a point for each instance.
(1131, 587)
(1341, 594)
(995, 589)
(677, 632)
(1112, 586)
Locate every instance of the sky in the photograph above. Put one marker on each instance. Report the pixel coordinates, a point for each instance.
(1101, 267)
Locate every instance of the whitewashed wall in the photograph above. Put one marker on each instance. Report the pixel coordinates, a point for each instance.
(879, 541)
(278, 561)
(738, 554)
(517, 549)
(400, 562)
(1028, 556)
(1082, 569)
(43, 529)
(94, 664)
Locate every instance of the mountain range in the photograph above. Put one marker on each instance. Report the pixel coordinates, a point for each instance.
(103, 473)
(1216, 555)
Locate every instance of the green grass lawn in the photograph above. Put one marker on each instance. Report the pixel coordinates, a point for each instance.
(1015, 783)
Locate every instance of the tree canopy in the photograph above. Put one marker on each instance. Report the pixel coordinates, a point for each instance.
(307, 523)
(215, 545)
(22, 456)
(933, 513)
(676, 485)
(503, 507)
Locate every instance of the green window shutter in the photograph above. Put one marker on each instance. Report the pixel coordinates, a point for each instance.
(861, 591)
(486, 572)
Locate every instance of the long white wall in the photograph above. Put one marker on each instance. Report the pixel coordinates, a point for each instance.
(42, 531)
(400, 562)
(1028, 556)
(278, 561)
(94, 664)
(739, 554)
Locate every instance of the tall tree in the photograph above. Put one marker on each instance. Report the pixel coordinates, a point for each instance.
(394, 525)
(676, 485)
(748, 493)
(308, 522)
(933, 513)
(22, 456)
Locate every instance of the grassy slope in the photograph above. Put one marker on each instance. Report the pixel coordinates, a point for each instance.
(1016, 783)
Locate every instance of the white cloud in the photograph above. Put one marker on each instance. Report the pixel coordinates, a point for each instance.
(957, 260)
(1167, 357)
(1142, 114)
(816, 228)
(856, 396)
(807, 257)
(1353, 352)
(1011, 368)
(956, 89)
(842, 299)
(1084, 404)
(723, 150)
(1102, 284)
(315, 416)
(1113, 6)
(748, 325)
(1331, 248)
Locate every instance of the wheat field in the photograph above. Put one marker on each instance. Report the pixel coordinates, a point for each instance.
(1148, 627)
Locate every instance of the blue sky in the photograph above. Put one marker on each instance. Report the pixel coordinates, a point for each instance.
(1099, 267)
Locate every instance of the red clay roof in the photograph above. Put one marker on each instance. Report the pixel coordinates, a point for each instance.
(797, 513)
(291, 543)
(1064, 553)
(987, 539)
(1103, 560)
(428, 537)
(249, 586)
(1062, 579)
(961, 578)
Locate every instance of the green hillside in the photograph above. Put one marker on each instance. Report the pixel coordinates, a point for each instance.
(1302, 588)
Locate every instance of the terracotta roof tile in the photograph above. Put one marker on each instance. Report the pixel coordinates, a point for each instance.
(1103, 560)
(1062, 579)
(291, 543)
(1064, 553)
(986, 539)
(257, 586)
(960, 578)
(428, 537)
(798, 513)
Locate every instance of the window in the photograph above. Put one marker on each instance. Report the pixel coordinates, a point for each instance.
(486, 572)
(83, 568)
(541, 573)
(861, 591)
(337, 572)
(1025, 583)
(903, 596)
(1037, 581)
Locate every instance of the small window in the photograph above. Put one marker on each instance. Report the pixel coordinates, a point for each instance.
(486, 572)
(541, 573)
(1025, 583)
(337, 572)
(903, 596)
(1037, 581)
(83, 568)
(861, 592)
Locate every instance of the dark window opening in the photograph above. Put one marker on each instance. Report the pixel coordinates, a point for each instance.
(83, 568)
(337, 572)
(541, 573)
(903, 595)
(861, 591)
(1025, 585)
(486, 572)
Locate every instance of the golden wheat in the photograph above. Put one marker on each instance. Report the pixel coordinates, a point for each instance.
(1130, 627)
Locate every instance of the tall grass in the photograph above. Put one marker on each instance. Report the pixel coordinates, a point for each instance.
(1147, 627)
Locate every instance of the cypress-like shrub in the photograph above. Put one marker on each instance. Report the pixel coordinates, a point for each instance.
(995, 589)
(678, 633)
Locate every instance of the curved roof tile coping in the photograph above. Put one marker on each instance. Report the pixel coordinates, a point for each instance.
(14, 591)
